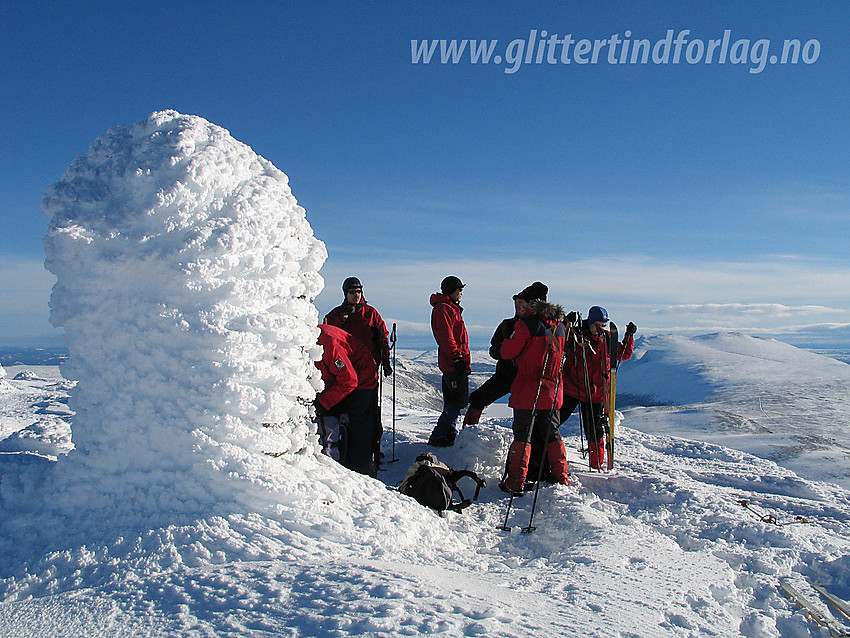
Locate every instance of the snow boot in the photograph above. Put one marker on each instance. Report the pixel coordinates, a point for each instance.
(557, 455)
(472, 415)
(597, 454)
(518, 457)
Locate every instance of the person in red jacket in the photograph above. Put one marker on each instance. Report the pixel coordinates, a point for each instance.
(586, 370)
(350, 377)
(361, 320)
(499, 384)
(453, 358)
(358, 318)
(537, 346)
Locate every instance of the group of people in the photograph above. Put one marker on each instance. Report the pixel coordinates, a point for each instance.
(549, 362)
(355, 344)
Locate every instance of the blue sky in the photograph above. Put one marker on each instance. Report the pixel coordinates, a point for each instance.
(684, 197)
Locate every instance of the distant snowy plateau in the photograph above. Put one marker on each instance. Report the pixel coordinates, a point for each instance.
(660, 546)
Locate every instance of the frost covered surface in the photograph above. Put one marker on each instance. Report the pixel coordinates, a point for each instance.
(185, 274)
(34, 413)
(658, 547)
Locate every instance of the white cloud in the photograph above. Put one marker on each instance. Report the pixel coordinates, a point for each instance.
(775, 294)
(771, 294)
(25, 292)
(758, 310)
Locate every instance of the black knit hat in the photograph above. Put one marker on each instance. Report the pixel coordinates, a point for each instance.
(350, 284)
(450, 284)
(536, 291)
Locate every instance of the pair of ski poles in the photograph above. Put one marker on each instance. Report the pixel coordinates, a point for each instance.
(530, 528)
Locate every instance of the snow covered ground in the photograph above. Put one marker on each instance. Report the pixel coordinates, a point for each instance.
(756, 395)
(661, 546)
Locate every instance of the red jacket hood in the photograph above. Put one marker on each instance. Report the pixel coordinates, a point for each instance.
(438, 297)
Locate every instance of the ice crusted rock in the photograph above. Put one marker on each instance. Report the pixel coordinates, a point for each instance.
(186, 273)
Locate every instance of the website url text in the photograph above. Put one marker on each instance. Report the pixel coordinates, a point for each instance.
(676, 48)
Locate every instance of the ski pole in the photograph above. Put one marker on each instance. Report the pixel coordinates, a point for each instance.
(530, 528)
(393, 339)
(614, 364)
(581, 411)
(504, 527)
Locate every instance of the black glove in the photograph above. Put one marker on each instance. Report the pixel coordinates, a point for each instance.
(320, 409)
(571, 318)
(631, 329)
(461, 366)
(388, 369)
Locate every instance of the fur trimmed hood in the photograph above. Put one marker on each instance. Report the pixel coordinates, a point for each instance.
(551, 312)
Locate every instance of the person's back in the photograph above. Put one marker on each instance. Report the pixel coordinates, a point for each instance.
(350, 376)
(500, 383)
(537, 346)
(338, 346)
(538, 340)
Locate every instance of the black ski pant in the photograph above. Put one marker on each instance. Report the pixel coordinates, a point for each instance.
(378, 431)
(455, 399)
(359, 454)
(492, 389)
(592, 416)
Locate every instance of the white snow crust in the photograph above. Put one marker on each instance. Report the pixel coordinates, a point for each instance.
(185, 274)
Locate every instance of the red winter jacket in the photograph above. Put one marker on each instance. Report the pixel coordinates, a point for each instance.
(450, 333)
(365, 323)
(346, 365)
(598, 364)
(533, 337)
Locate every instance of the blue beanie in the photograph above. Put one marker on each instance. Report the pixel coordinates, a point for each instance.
(597, 313)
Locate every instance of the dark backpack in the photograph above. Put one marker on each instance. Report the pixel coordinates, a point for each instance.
(432, 483)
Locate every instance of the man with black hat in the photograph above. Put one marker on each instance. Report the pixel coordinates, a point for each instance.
(499, 384)
(453, 358)
(363, 322)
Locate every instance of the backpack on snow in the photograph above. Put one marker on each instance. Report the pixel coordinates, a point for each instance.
(432, 483)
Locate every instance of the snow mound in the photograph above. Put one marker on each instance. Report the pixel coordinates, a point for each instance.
(186, 273)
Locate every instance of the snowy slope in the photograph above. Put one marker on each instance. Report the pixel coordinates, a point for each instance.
(756, 395)
(34, 415)
(660, 547)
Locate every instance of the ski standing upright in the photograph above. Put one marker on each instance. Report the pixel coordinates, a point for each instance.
(614, 352)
